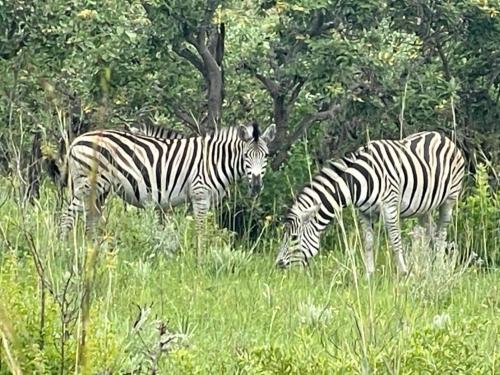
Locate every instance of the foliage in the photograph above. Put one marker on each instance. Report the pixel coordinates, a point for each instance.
(482, 207)
(359, 69)
(331, 75)
(231, 311)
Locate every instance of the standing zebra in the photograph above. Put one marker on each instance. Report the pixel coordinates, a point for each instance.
(166, 172)
(394, 178)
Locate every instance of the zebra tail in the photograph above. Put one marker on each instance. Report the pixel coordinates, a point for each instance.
(58, 174)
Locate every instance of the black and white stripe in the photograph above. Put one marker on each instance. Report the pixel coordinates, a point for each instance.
(392, 178)
(164, 172)
(156, 131)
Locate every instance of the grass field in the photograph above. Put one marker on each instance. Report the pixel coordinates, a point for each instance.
(143, 299)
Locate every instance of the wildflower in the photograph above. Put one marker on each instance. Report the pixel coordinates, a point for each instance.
(86, 14)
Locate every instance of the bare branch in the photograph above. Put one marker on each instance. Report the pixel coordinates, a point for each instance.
(444, 60)
(219, 50)
(297, 87)
(185, 117)
(269, 84)
(213, 78)
(192, 58)
(208, 59)
(302, 127)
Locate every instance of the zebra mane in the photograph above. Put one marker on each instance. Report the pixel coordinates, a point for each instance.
(289, 213)
(231, 132)
(255, 131)
(338, 165)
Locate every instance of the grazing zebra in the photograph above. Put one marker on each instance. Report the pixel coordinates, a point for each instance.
(155, 131)
(165, 172)
(394, 178)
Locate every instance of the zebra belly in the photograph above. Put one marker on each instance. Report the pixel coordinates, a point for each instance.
(407, 208)
(167, 199)
(423, 200)
(175, 200)
(163, 200)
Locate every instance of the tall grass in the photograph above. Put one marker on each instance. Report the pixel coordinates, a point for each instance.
(149, 303)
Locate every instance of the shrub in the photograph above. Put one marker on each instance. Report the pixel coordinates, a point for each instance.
(447, 349)
(225, 260)
(477, 230)
(141, 232)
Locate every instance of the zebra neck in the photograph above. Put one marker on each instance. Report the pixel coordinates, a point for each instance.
(331, 191)
(223, 161)
(333, 203)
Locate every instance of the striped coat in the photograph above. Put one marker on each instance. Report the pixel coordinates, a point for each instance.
(164, 172)
(156, 131)
(392, 178)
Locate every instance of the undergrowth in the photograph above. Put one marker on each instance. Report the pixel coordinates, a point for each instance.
(142, 298)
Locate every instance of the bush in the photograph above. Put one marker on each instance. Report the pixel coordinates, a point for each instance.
(477, 230)
(447, 349)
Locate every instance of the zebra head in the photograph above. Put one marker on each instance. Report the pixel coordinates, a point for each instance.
(255, 152)
(301, 237)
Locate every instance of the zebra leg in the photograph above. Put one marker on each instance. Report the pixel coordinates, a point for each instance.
(69, 217)
(367, 228)
(75, 206)
(425, 221)
(87, 200)
(445, 212)
(201, 205)
(94, 211)
(391, 219)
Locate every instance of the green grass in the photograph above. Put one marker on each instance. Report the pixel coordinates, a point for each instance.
(228, 310)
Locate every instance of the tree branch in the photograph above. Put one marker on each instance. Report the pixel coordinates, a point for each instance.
(219, 49)
(208, 41)
(317, 22)
(192, 58)
(297, 87)
(209, 13)
(149, 10)
(444, 60)
(302, 127)
(269, 84)
(309, 120)
(182, 115)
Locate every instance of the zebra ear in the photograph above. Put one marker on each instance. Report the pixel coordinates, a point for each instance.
(245, 133)
(308, 214)
(269, 134)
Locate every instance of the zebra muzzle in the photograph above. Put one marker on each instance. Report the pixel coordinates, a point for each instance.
(255, 185)
(280, 263)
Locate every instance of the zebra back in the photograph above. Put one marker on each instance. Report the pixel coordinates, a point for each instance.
(156, 131)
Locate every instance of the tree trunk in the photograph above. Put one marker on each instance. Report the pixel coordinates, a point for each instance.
(280, 114)
(33, 190)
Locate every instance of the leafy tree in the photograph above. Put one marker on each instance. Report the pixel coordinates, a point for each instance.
(188, 29)
(339, 71)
